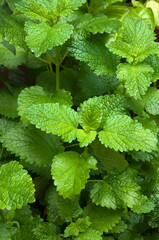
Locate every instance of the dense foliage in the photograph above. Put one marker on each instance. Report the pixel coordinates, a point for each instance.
(79, 154)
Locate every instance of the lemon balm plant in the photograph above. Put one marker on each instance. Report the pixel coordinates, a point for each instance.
(79, 149)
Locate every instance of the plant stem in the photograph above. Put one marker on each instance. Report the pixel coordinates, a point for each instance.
(2, 216)
(57, 70)
(95, 180)
(72, 145)
(66, 53)
(1, 153)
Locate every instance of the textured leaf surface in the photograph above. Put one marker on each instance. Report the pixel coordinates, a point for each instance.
(136, 78)
(65, 7)
(32, 145)
(137, 41)
(4, 232)
(55, 119)
(33, 9)
(8, 59)
(16, 186)
(99, 24)
(85, 138)
(90, 114)
(80, 225)
(113, 105)
(69, 208)
(70, 172)
(8, 103)
(93, 85)
(7, 124)
(41, 37)
(90, 234)
(36, 95)
(123, 134)
(98, 57)
(109, 158)
(102, 219)
(118, 191)
(11, 30)
(151, 101)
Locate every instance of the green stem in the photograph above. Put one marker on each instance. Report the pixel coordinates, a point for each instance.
(1, 153)
(42, 60)
(95, 180)
(66, 53)
(57, 69)
(2, 216)
(72, 145)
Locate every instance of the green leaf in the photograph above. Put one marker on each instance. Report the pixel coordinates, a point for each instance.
(98, 57)
(123, 134)
(102, 219)
(8, 102)
(120, 191)
(46, 230)
(33, 9)
(136, 78)
(32, 145)
(36, 95)
(16, 186)
(7, 124)
(85, 138)
(8, 59)
(54, 118)
(65, 7)
(70, 172)
(90, 234)
(119, 227)
(80, 225)
(153, 61)
(151, 101)
(41, 37)
(4, 232)
(109, 158)
(99, 24)
(12, 31)
(113, 105)
(137, 40)
(93, 85)
(69, 208)
(90, 114)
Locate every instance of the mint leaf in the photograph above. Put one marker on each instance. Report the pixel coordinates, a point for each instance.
(151, 101)
(32, 145)
(90, 114)
(98, 57)
(123, 134)
(85, 138)
(41, 37)
(54, 118)
(70, 172)
(16, 186)
(136, 78)
(102, 219)
(137, 40)
(90, 234)
(12, 31)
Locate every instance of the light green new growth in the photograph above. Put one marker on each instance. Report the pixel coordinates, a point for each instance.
(70, 172)
(41, 37)
(54, 118)
(90, 114)
(136, 78)
(85, 138)
(123, 133)
(137, 41)
(16, 187)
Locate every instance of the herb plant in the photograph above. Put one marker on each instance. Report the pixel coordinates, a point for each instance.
(79, 153)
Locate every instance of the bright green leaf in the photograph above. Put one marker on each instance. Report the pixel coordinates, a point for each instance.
(123, 134)
(16, 186)
(85, 138)
(151, 101)
(70, 172)
(55, 119)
